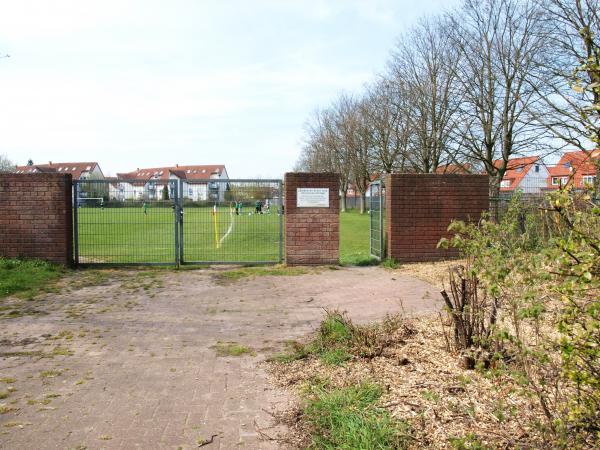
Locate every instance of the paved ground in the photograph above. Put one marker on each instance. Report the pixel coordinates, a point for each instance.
(132, 363)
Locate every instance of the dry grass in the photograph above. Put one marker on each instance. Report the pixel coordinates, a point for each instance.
(444, 405)
(435, 273)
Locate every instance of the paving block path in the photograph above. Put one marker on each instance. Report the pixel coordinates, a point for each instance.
(135, 364)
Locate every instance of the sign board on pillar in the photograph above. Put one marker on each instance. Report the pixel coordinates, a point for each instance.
(312, 197)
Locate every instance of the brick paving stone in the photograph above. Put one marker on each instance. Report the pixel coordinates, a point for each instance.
(148, 376)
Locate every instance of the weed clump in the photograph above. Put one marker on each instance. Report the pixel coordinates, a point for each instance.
(350, 418)
(339, 339)
(232, 349)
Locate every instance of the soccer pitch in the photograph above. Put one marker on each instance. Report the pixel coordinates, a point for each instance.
(130, 235)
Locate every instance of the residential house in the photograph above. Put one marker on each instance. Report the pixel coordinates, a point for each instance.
(576, 168)
(527, 175)
(149, 183)
(79, 170)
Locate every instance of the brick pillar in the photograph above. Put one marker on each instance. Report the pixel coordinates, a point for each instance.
(36, 216)
(311, 233)
(419, 208)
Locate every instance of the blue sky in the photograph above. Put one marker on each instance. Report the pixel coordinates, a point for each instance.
(149, 83)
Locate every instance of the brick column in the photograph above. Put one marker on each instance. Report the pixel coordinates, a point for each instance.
(419, 208)
(311, 234)
(36, 216)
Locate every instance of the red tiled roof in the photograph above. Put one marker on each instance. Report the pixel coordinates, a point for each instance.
(576, 165)
(74, 168)
(193, 172)
(516, 169)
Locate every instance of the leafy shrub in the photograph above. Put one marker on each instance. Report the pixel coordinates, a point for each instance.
(547, 289)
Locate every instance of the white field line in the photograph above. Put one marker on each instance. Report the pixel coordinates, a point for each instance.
(229, 230)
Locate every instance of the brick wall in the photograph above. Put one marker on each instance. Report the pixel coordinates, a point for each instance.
(312, 234)
(35, 216)
(419, 208)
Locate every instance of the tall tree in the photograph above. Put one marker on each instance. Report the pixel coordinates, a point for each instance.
(423, 69)
(384, 107)
(571, 74)
(325, 150)
(500, 42)
(356, 138)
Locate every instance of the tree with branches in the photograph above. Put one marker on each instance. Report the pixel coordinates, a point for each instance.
(500, 43)
(6, 165)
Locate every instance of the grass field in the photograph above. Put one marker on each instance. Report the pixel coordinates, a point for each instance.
(127, 235)
(354, 238)
(132, 236)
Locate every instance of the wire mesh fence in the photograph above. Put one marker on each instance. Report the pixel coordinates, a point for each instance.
(376, 232)
(123, 222)
(229, 221)
(353, 202)
(175, 221)
(535, 193)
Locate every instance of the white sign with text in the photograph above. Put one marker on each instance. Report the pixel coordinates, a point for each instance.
(312, 197)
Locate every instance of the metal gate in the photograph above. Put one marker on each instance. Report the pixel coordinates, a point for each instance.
(376, 234)
(177, 221)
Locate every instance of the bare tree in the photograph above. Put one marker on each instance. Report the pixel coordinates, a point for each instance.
(386, 115)
(499, 43)
(570, 79)
(423, 69)
(355, 140)
(6, 165)
(324, 149)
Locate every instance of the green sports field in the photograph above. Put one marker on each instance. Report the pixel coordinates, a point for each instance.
(128, 235)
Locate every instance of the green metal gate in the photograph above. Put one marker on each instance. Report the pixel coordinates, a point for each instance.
(376, 233)
(177, 221)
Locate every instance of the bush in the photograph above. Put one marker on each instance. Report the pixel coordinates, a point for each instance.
(547, 291)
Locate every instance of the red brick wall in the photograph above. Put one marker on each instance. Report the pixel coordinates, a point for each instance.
(35, 216)
(312, 234)
(419, 208)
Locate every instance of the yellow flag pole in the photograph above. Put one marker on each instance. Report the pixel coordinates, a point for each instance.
(216, 226)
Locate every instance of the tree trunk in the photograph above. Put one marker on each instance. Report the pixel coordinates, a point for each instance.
(495, 198)
(343, 201)
(363, 202)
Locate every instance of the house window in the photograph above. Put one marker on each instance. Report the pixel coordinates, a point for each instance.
(555, 181)
(559, 181)
(190, 192)
(537, 168)
(505, 183)
(588, 180)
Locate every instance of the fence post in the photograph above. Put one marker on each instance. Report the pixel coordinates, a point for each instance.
(175, 195)
(179, 200)
(280, 211)
(75, 190)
